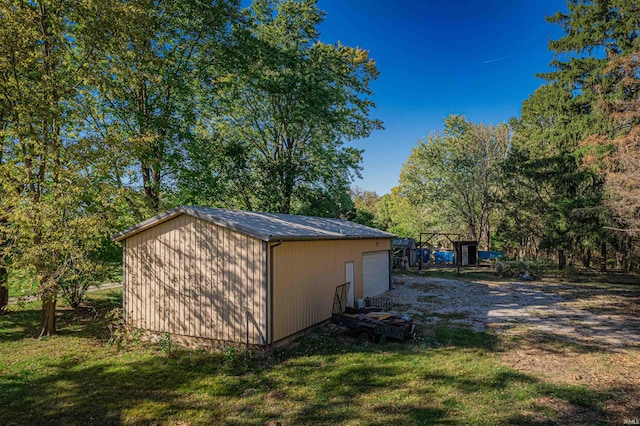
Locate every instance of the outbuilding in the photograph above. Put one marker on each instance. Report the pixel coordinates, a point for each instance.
(466, 252)
(405, 248)
(232, 276)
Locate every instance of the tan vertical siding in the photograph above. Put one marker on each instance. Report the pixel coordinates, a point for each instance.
(191, 277)
(306, 274)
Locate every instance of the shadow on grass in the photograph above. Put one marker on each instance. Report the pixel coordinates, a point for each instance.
(23, 321)
(18, 325)
(322, 380)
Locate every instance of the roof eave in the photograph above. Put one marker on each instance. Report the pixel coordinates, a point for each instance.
(328, 237)
(177, 211)
(149, 223)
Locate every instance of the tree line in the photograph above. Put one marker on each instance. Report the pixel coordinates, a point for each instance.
(562, 180)
(113, 111)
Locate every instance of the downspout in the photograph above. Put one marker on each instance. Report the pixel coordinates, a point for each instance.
(271, 247)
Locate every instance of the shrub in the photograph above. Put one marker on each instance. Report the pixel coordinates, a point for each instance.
(512, 269)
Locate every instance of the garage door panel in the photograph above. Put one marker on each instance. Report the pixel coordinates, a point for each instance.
(375, 273)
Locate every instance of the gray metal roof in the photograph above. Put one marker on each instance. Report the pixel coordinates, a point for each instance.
(404, 242)
(266, 226)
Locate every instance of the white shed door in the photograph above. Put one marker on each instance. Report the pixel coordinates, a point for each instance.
(465, 255)
(348, 278)
(375, 273)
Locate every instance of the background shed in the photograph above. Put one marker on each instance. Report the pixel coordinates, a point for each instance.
(208, 273)
(466, 252)
(405, 247)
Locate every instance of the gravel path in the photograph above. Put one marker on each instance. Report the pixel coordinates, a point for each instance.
(582, 314)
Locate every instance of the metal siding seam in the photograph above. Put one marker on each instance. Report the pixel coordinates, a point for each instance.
(156, 284)
(213, 281)
(271, 295)
(227, 329)
(151, 289)
(196, 310)
(190, 302)
(184, 258)
(190, 299)
(264, 291)
(160, 267)
(124, 281)
(202, 251)
(134, 290)
(249, 294)
(188, 282)
(216, 308)
(145, 285)
(208, 273)
(171, 286)
(180, 281)
(159, 287)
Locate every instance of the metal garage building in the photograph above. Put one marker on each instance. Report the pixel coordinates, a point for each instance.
(219, 274)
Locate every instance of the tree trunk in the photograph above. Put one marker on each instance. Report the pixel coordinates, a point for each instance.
(150, 193)
(603, 257)
(488, 236)
(562, 260)
(586, 260)
(4, 289)
(48, 314)
(288, 183)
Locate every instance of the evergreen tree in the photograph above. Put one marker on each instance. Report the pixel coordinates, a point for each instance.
(547, 158)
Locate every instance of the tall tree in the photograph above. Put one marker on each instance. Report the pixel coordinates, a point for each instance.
(458, 174)
(622, 162)
(395, 213)
(364, 205)
(547, 185)
(548, 154)
(46, 210)
(156, 57)
(282, 112)
(616, 155)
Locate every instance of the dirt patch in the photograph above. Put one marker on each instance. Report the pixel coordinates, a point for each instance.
(565, 334)
(606, 317)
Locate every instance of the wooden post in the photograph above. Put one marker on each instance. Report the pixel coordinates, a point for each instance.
(459, 253)
(421, 253)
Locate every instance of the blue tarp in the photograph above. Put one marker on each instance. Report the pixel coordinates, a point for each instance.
(486, 255)
(443, 256)
(426, 255)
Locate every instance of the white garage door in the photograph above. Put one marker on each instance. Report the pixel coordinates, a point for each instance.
(375, 273)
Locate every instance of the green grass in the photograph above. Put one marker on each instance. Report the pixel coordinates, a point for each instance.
(579, 275)
(21, 284)
(466, 273)
(77, 378)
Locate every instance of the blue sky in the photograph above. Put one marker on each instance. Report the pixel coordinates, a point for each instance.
(477, 58)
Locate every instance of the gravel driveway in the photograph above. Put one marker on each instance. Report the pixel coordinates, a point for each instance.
(579, 313)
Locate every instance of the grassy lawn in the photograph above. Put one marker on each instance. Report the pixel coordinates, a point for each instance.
(21, 284)
(450, 272)
(486, 273)
(454, 376)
